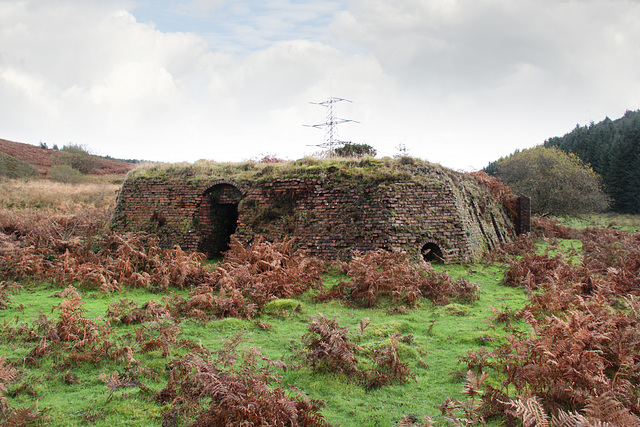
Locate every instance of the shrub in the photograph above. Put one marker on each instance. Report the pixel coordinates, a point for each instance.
(389, 367)
(65, 174)
(67, 250)
(557, 183)
(582, 354)
(355, 150)
(10, 416)
(78, 157)
(265, 271)
(523, 244)
(329, 348)
(549, 227)
(10, 167)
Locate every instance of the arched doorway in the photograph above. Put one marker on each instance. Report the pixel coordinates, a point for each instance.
(431, 252)
(218, 217)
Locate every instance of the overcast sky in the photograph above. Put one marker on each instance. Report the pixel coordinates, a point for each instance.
(457, 82)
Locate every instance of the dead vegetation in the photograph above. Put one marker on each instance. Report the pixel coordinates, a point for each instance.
(550, 228)
(41, 195)
(248, 278)
(77, 250)
(264, 271)
(233, 387)
(498, 189)
(523, 244)
(329, 348)
(390, 275)
(580, 364)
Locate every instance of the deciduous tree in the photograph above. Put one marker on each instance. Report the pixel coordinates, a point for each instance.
(558, 183)
(611, 148)
(78, 157)
(355, 150)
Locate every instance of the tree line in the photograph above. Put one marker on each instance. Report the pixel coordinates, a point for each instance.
(612, 149)
(589, 169)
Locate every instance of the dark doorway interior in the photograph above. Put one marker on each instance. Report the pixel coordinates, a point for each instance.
(219, 217)
(225, 221)
(432, 253)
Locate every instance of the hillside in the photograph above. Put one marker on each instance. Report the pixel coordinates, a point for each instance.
(42, 159)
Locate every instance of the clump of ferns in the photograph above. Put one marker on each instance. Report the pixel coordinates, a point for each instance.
(233, 387)
(328, 347)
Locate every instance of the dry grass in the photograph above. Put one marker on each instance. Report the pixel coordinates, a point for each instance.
(366, 171)
(56, 197)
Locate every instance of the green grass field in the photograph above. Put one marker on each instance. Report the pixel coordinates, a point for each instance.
(434, 338)
(629, 223)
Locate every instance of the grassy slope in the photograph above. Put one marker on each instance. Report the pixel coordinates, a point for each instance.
(56, 197)
(440, 337)
(43, 159)
(629, 223)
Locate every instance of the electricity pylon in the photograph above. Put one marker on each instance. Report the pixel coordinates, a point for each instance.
(331, 140)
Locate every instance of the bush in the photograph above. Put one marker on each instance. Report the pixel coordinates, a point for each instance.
(11, 167)
(65, 174)
(557, 183)
(328, 348)
(233, 388)
(581, 354)
(391, 275)
(355, 150)
(264, 271)
(78, 157)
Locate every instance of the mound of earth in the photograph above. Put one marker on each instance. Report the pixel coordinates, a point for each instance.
(41, 159)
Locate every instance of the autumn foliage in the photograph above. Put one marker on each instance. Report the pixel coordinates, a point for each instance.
(557, 183)
(390, 275)
(330, 348)
(576, 363)
(580, 365)
(233, 387)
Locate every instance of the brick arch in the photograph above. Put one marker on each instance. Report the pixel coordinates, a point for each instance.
(432, 250)
(223, 182)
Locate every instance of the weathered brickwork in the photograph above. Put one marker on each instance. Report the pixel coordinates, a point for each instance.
(449, 214)
(522, 221)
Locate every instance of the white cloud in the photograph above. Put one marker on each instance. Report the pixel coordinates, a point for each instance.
(459, 82)
(498, 74)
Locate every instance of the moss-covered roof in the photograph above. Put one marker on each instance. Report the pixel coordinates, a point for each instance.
(365, 171)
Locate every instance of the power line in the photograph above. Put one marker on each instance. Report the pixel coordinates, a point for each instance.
(331, 140)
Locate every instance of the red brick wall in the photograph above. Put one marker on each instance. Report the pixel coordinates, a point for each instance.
(328, 218)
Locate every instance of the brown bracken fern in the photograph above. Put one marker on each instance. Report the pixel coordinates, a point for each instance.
(233, 388)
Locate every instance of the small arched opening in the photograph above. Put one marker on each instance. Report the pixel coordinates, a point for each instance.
(431, 252)
(218, 218)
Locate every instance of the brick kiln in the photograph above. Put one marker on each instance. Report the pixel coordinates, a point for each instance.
(331, 207)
